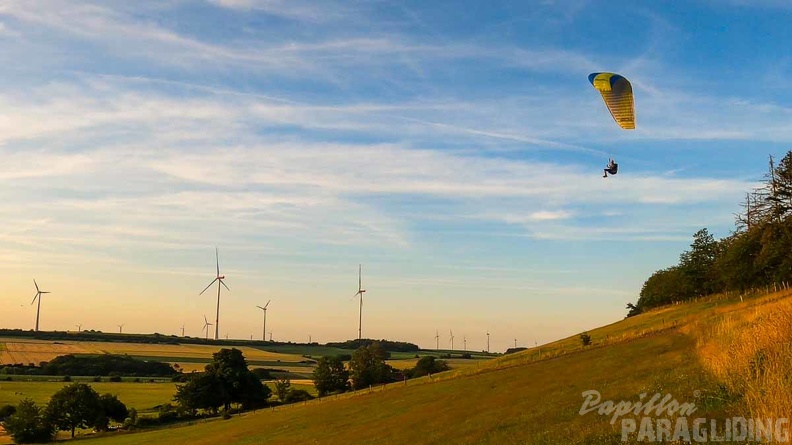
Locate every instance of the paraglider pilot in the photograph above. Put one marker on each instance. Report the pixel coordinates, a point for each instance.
(612, 168)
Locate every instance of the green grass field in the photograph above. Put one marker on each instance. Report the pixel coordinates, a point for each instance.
(528, 397)
(141, 396)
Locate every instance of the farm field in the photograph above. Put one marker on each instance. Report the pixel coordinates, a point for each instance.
(528, 397)
(141, 396)
(14, 350)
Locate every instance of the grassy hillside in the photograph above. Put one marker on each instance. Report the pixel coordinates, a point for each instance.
(529, 397)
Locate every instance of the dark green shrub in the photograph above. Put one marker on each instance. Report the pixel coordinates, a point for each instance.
(6, 411)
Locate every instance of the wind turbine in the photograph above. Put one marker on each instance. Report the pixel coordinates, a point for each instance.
(487, 342)
(206, 327)
(464, 342)
(360, 292)
(182, 330)
(219, 278)
(39, 292)
(437, 340)
(452, 339)
(515, 342)
(79, 327)
(270, 336)
(264, 329)
(120, 328)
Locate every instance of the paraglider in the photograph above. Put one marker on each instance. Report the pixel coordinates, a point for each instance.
(611, 168)
(617, 93)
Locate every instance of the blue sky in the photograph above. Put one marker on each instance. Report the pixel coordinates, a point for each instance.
(453, 148)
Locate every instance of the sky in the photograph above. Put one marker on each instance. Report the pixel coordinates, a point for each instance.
(453, 148)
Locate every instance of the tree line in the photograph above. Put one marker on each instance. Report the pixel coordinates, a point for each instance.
(389, 345)
(367, 366)
(93, 365)
(756, 254)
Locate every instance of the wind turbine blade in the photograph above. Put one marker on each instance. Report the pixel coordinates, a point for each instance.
(207, 287)
(36, 284)
(217, 261)
(268, 302)
(34, 298)
(205, 320)
(360, 276)
(260, 307)
(224, 285)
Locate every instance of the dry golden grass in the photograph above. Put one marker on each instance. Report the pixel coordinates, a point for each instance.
(750, 352)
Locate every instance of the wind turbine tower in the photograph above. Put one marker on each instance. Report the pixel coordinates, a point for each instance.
(515, 342)
(360, 292)
(39, 292)
(487, 342)
(79, 328)
(452, 339)
(182, 330)
(464, 342)
(206, 327)
(120, 328)
(264, 328)
(270, 336)
(437, 340)
(219, 278)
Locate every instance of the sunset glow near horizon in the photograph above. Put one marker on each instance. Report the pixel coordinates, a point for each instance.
(455, 149)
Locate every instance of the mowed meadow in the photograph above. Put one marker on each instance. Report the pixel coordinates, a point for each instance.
(535, 396)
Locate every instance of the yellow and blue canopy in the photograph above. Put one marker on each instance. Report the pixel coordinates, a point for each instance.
(617, 93)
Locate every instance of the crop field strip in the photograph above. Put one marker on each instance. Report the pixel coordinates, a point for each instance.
(27, 351)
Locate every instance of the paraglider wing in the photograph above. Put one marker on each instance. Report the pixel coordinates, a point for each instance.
(617, 93)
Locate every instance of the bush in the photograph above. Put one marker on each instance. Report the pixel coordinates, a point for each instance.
(132, 419)
(428, 365)
(29, 424)
(67, 378)
(97, 379)
(6, 411)
(297, 395)
(585, 338)
(262, 373)
(167, 413)
(115, 378)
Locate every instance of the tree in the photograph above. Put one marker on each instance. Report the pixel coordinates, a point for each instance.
(697, 264)
(282, 387)
(112, 409)
(368, 366)
(28, 424)
(202, 391)
(330, 376)
(252, 393)
(428, 364)
(226, 380)
(74, 406)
